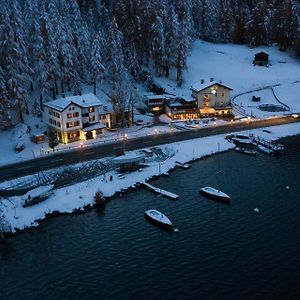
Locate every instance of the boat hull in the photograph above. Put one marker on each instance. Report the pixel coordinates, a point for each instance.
(245, 151)
(158, 223)
(215, 197)
(265, 150)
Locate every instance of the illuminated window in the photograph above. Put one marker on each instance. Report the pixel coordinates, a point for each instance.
(205, 100)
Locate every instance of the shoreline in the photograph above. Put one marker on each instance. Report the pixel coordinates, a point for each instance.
(186, 152)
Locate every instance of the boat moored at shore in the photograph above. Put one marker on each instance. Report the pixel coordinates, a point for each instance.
(265, 150)
(245, 151)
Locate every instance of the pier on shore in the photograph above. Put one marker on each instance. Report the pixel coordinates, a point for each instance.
(160, 191)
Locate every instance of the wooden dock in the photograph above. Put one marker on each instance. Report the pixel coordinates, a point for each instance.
(160, 191)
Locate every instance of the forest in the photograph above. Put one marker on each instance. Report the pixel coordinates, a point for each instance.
(49, 47)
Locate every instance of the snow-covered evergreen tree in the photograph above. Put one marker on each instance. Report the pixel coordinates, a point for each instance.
(158, 52)
(5, 118)
(14, 59)
(96, 66)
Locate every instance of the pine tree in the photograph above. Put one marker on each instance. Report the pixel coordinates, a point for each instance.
(51, 52)
(14, 59)
(96, 66)
(171, 39)
(296, 29)
(284, 24)
(80, 36)
(5, 118)
(158, 52)
(226, 19)
(257, 26)
(77, 87)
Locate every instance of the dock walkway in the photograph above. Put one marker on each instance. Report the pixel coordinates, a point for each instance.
(160, 191)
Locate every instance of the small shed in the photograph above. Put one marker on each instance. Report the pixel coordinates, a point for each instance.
(255, 99)
(129, 161)
(261, 59)
(38, 138)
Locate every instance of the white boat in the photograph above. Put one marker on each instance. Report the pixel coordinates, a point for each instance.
(245, 151)
(38, 194)
(264, 149)
(215, 194)
(240, 139)
(158, 218)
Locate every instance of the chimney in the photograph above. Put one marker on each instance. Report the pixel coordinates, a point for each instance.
(202, 81)
(211, 79)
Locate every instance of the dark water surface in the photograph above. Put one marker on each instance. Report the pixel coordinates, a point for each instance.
(220, 252)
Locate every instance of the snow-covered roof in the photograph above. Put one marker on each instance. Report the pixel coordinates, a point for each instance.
(188, 98)
(169, 96)
(148, 94)
(85, 100)
(37, 192)
(129, 157)
(174, 104)
(104, 110)
(206, 83)
(155, 97)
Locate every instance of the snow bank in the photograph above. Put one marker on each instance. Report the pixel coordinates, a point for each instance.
(77, 196)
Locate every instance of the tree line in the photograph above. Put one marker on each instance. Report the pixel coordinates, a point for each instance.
(49, 47)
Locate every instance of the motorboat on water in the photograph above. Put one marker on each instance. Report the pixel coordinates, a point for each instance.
(245, 151)
(265, 149)
(158, 218)
(215, 194)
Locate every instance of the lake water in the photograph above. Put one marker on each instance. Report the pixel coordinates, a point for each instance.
(220, 251)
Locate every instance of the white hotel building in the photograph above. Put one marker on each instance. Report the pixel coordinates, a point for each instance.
(72, 118)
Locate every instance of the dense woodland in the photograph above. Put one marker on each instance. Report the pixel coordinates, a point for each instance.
(49, 47)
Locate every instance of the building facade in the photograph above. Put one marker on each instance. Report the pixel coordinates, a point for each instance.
(213, 98)
(77, 117)
(181, 109)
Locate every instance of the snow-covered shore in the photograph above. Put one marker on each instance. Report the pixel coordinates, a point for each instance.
(78, 196)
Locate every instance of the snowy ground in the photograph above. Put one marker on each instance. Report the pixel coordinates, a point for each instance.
(77, 196)
(230, 63)
(233, 65)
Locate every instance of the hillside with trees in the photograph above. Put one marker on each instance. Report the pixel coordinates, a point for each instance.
(54, 46)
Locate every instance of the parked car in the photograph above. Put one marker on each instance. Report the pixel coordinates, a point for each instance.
(19, 147)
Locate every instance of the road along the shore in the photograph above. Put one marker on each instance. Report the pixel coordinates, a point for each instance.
(99, 151)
